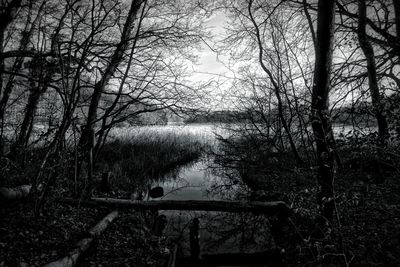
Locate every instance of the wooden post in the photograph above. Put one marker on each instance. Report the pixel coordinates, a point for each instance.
(172, 256)
(195, 241)
(281, 233)
(159, 225)
(86, 153)
(105, 182)
(89, 184)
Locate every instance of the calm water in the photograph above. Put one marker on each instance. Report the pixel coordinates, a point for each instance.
(192, 182)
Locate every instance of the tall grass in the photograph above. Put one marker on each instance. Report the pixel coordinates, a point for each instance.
(139, 155)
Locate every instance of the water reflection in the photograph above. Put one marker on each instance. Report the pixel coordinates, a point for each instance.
(219, 232)
(190, 183)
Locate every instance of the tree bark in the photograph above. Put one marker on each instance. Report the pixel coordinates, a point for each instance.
(269, 208)
(84, 244)
(320, 107)
(368, 51)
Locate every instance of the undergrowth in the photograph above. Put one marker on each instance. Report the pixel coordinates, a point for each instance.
(366, 187)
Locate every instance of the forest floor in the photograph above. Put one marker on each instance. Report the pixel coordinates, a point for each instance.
(370, 220)
(369, 216)
(28, 240)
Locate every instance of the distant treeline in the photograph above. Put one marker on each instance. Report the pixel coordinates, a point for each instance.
(361, 112)
(221, 116)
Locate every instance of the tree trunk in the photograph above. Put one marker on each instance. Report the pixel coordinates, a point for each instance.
(99, 87)
(320, 105)
(269, 208)
(396, 4)
(7, 15)
(371, 68)
(102, 134)
(84, 244)
(30, 110)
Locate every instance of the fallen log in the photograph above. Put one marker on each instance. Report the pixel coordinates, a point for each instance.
(15, 193)
(84, 244)
(269, 208)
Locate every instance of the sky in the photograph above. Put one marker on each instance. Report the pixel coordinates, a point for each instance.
(208, 61)
(213, 66)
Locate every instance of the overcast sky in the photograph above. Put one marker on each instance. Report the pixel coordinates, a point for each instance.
(211, 66)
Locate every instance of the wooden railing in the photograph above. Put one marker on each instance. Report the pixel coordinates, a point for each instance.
(279, 209)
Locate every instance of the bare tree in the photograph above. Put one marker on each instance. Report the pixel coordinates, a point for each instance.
(320, 106)
(44, 71)
(86, 141)
(372, 75)
(275, 86)
(8, 11)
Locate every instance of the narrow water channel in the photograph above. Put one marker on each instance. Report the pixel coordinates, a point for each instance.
(191, 182)
(219, 232)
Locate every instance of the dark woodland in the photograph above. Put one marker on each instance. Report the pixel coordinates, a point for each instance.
(199, 133)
